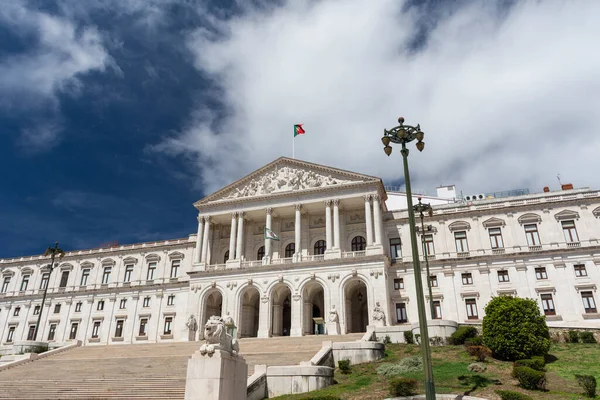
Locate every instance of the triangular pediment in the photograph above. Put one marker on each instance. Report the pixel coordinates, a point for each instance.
(493, 223)
(566, 214)
(286, 175)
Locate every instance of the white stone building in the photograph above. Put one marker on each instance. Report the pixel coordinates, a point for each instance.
(341, 246)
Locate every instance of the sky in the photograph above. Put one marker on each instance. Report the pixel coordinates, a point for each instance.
(116, 115)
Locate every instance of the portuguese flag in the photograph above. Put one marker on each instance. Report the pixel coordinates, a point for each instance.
(298, 130)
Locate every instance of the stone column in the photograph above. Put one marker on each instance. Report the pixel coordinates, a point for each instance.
(308, 322)
(264, 316)
(377, 218)
(328, 236)
(198, 254)
(232, 236)
(297, 238)
(240, 236)
(277, 320)
(205, 238)
(368, 220)
(268, 241)
(336, 224)
(296, 310)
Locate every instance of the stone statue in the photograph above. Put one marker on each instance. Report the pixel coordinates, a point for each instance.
(217, 338)
(333, 315)
(192, 328)
(378, 315)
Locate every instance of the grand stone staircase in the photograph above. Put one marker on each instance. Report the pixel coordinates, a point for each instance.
(139, 371)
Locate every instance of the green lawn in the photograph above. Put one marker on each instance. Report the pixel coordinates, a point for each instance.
(450, 363)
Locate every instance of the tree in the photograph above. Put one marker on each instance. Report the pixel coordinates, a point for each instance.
(514, 329)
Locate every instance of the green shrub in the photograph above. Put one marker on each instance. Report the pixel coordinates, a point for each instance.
(588, 384)
(462, 334)
(387, 340)
(481, 352)
(409, 337)
(403, 387)
(474, 341)
(344, 366)
(409, 364)
(514, 329)
(587, 337)
(573, 337)
(536, 363)
(510, 395)
(530, 379)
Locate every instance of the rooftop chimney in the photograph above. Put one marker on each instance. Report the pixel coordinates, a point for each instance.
(567, 186)
(546, 189)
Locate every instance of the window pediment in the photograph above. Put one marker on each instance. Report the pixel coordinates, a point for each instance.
(66, 267)
(8, 272)
(494, 223)
(108, 262)
(176, 255)
(529, 218)
(459, 226)
(566, 215)
(426, 231)
(596, 212)
(130, 260)
(87, 264)
(26, 271)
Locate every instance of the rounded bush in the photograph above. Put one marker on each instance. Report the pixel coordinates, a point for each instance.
(530, 379)
(462, 334)
(344, 366)
(409, 338)
(536, 363)
(588, 384)
(587, 337)
(403, 387)
(510, 395)
(514, 329)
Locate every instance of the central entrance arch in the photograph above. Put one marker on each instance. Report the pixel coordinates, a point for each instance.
(357, 313)
(212, 305)
(281, 320)
(314, 307)
(249, 312)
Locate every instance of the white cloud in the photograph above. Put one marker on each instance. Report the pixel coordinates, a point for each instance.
(505, 101)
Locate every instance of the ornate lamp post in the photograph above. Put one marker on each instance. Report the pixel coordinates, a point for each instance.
(52, 252)
(421, 209)
(403, 134)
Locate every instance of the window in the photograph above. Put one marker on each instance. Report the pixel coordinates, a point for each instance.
(290, 249)
(320, 247)
(226, 257)
(588, 302)
(17, 311)
(175, 268)
(151, 270)
(548, 304)
(36, 310)
(437, 309)
(100, 305)
(146, 302)
(119, 329)
(398, 283)
(428, 244)
(358, 243)
(168, 323)
(56, 308)
(496, 238)
(580, 270)
(540, 273)
(569, 231)
(24, 283)
(52, 332)
(106, 275)
(5, 284)
(143, 323)
(31, 332)
(260, 254)
(96, 329)
(471, 309)
(401, 313)
(433, 281)
(123, 304)
(64, 279)
(84, 276)
(73, 333)
(467, 278)
(171, 300)
(45, 278)
(128, 272)
(78, 307)
(11, 333)
(395, 248)
(503, 276)
(460, 238)
(532, 234)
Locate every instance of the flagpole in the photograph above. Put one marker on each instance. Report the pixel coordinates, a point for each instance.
(293, 147)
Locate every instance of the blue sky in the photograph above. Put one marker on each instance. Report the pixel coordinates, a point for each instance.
(117, 115)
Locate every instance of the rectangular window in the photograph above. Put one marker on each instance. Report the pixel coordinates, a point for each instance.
(17, 311)
(398, 283)
(56, 308)
(73, 333)
(570, 232)
(437, 309)
(175, 268)
(96, 329)
(106, 275)
(589, 304)
(171, 300)
(460, 238)
(433, 280)
(503, 276)
(11, 333)
(151, 270)
(540, 273)
(31, 332)
(146, 302)
(84, 276)
(52, 332)
(471, 309)
(168, 323)
(395, 248)
(128, 272)
(532, 234)
(580, 270)
(119, 328)
(100, 305)
(401, 316)
(78, 307)
(496, 238)
(143, 323)
(123, 304)
(44, 283)
(548, 304)
(5, 284)
(24, 283)
(428, 244)
(467, 278)
(36, 310)
(64, 279)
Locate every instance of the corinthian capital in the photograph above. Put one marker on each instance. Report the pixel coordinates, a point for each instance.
(269, 210)
(207, 219)
(327, 203)
(367, 198)
(375, 197)
(298, 207)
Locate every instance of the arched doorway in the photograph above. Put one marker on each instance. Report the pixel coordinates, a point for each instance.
(357, 313)
(314, 307)
(249, 312)
(281, 317)
(213, 305)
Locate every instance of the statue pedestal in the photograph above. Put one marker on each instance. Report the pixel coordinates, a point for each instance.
(333, 328)
(218, 376)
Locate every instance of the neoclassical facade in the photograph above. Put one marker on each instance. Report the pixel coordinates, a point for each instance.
(340, 253)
